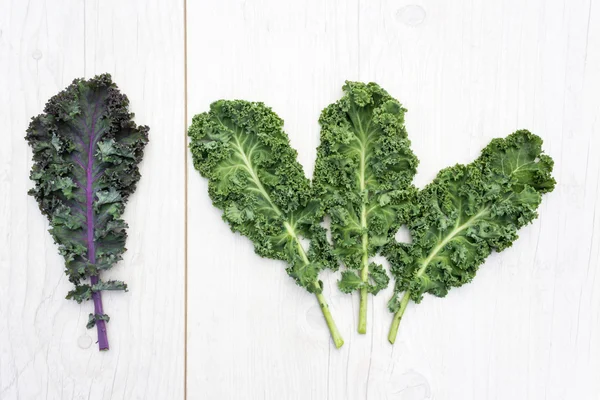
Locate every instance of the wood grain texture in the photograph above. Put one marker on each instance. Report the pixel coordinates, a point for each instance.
(45, 349)
(468, 71)
(251, 331)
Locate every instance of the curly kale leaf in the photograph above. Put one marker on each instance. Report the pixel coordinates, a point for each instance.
(467, 212)
(255, 179)
(363, 176)
(86, 151)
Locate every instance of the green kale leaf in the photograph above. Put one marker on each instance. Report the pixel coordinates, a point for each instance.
(467, 212)
(363, 176)
(255, 179)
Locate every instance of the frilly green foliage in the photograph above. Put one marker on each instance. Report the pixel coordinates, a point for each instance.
(467, 212)
(255, 179)
(363, 176)
(363, 181)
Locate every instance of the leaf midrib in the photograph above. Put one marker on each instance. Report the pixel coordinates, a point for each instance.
(363, 139)
(449, 237)
(254, 176)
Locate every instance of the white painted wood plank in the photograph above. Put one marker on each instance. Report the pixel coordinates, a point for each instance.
(528, 326)
(37, 326)
(141, 44)
(45, 350)
(252, 332)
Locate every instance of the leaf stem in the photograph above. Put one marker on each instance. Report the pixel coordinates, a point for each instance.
(362, 311)
(89, 203)
(398, 317)
(364, 276)
(289, 227)
(457, 229)
(364, 299)
(100, 324)
(333, 330)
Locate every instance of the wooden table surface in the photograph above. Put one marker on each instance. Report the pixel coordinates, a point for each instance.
(528, 327)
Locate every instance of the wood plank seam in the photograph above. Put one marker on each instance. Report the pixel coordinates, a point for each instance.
(185, 203)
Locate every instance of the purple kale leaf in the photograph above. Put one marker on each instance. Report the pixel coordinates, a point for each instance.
(86, 151)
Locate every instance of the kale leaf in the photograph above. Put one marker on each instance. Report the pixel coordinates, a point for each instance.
(86, 151)
(363, 176)
(464, 214)
(255, 179)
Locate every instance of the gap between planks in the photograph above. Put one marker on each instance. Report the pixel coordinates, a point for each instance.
(185, 205)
